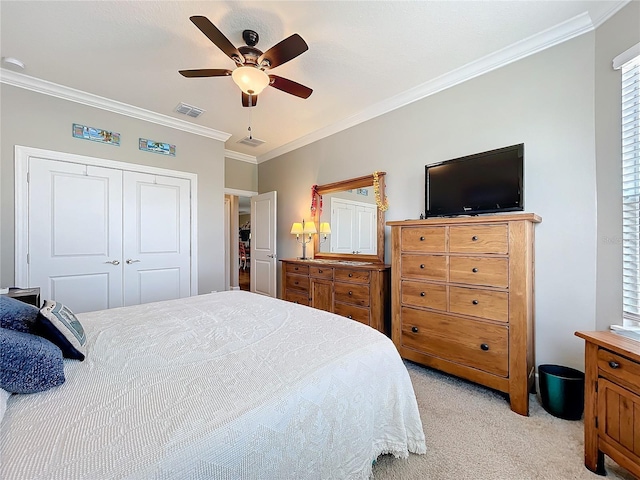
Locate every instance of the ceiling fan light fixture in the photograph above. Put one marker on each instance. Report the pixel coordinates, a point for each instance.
(251, 80)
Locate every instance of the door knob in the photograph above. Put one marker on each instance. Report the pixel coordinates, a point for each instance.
(114, 262)
(129, 261)
(273, 256)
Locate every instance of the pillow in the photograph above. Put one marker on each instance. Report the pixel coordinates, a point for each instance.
(17, 315)
(59, 325)
(29, 363)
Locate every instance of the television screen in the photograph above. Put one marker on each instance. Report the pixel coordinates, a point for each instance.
(487, 182)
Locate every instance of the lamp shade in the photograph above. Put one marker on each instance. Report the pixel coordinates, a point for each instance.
(296, 228)
(251, 80)
(309, 227)
(325, 227)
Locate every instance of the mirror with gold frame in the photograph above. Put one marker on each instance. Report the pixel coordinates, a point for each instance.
(352, 210)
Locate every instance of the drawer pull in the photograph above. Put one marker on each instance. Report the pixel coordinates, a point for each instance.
(422, 239)
(350, 293)
(422, 294)
(484, 347)
(414, 329)
(474, 238)
(350, 275)
(475, 302)
(295, 283)
(474, 270)
(295, 268)
(349, 316)
(422, 265)
(613, 364)
(319, 271)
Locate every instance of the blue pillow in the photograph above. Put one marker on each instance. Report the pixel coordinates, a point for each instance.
(17, 315)
(58, 324)
(29, 363)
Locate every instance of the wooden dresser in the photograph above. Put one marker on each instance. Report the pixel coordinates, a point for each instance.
(355, 290)
(611, 401)
(462, 298)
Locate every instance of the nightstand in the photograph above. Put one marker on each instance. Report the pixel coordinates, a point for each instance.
(26, 295)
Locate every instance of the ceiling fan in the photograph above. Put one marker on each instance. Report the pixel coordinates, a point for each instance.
(251, 63)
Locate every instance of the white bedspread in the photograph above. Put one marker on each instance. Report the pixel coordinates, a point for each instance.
(230, 385)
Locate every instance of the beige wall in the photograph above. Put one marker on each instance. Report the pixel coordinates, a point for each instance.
(545, 101)
(612, 38)
(41, 121)
(240, 175)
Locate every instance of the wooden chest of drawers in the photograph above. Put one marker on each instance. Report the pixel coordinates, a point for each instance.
(611, 401)
(358, 291)
(462, 298)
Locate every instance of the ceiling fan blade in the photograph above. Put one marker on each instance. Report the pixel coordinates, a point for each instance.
(249, 100)
(205, 72)
(217, 37)
(284, 51)
(290, 86)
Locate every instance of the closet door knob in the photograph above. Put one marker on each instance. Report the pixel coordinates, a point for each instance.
(474, 270)
(114, 262)
(130, 261)
(484, 347)
(414, 329)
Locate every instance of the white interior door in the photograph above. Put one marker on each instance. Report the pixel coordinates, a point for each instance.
(263, 244)
(343, 218)
(75, 234)
(157, 229)
(366, 234)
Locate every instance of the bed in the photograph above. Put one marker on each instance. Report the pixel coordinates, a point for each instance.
(230, 385)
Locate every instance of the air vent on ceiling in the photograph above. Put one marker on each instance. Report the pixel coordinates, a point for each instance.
(189, 110)
(251, 141)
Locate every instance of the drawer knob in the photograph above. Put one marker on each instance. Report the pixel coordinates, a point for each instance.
(414, 329)
(422, 265)
(613, 364)
(349, 316)
(474, 270)
(484, 347)
(319, 271)
(296, 301)
(475, 302)
(422, 239)
(295, 283)
(295, 268)
(422, 294)
(350, 275)
(474, 238)
(350, 292)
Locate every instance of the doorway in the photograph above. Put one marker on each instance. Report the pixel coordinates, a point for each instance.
(237, 233)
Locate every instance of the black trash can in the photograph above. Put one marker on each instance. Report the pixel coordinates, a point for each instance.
(562, 391)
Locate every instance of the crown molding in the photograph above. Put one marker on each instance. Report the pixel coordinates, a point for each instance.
(71, 94)
(240, 156)
(606, 15)
(560, 33)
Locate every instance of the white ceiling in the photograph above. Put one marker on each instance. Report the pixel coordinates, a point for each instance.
(364, 57)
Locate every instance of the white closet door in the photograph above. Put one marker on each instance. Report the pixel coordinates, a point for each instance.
(157, 226)
(75, 234)
(366, 233)
(343, 218)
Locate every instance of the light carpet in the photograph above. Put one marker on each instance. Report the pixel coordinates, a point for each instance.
(473, 434)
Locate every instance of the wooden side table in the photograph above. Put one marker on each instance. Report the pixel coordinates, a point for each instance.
(26, 295)
(611, 401)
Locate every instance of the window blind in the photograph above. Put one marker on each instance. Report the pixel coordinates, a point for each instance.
(631, 189)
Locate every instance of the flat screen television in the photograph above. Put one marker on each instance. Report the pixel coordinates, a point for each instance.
(487, 182)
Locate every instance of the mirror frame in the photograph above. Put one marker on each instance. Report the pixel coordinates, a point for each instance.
(359, 182)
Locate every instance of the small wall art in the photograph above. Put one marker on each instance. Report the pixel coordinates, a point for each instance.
(363, 191)
(96, 134)
(157, 147)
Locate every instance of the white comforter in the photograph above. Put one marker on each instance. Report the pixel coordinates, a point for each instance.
(230, 385)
